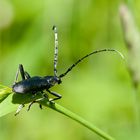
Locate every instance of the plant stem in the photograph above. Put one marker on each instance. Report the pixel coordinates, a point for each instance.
(136, 107)
(132, 41)
(75, 117)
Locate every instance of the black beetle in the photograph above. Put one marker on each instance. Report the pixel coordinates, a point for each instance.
(39, 84)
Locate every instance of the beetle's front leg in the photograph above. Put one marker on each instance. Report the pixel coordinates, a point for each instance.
(58, 96)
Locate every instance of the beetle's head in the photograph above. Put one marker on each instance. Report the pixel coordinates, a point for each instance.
(52, 80)
(57, 80)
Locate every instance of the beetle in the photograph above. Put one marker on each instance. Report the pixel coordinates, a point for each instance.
(38, 84)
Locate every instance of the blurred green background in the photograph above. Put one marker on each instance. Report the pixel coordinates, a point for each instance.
(99, 89)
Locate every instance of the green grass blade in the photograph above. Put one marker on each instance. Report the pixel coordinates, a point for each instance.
(75, 117)
(8, 105)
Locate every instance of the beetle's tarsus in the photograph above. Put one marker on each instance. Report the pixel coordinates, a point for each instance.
(40, 106)
(19, 109)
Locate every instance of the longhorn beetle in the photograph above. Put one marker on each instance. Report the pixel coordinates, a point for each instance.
(38, 84)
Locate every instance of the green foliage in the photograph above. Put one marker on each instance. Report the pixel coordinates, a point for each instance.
(28, 98)
(4, 92)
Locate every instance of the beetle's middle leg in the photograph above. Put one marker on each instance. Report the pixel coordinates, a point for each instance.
(36, 101)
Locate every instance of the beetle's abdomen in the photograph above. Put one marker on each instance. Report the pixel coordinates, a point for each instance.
(33, 84)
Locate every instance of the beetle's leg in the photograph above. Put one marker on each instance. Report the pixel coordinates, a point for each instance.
(35, 101)
(40, 106)
(58, 96)
(30, 105)
(16, 77)
(19, 109)
(21, 70)
(45, 95)
(27, 75)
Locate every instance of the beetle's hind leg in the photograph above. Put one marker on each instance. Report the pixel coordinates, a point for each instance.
(24, 74)
(19, 109)
(27, 75)
(21, 70)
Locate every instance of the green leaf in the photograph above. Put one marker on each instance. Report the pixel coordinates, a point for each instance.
(7, 106)
(4, 92)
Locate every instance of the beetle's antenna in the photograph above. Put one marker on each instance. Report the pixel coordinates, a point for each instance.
(55, 49)
(81, 59)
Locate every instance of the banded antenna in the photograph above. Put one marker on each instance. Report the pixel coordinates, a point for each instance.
(55, 50)
(81, 59)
